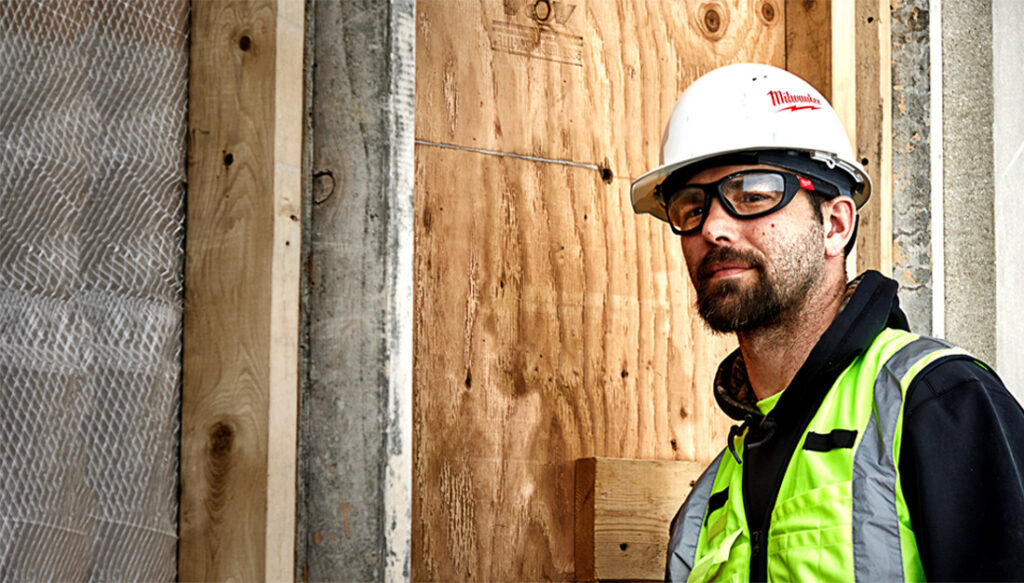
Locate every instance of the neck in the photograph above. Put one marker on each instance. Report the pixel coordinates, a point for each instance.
(774, 354)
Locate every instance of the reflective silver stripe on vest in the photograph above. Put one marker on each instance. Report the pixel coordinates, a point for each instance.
(876, 529)
(682, 547)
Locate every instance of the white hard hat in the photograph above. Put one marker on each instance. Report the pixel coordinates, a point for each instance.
(751, 108)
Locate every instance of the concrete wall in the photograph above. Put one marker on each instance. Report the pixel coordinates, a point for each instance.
(355, 411)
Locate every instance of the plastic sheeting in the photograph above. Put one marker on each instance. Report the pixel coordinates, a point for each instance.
(92, 181)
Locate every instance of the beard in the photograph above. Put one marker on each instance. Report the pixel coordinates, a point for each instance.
(776, 296)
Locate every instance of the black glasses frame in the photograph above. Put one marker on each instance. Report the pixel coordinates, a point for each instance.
(712, 190)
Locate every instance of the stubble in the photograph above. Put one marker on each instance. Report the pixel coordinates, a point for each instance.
(784, 277)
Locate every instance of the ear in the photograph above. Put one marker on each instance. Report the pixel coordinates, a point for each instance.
(839, 216)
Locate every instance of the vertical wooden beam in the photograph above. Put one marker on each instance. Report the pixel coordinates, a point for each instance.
(844, 81)
(241, 291)
(842, 48)
(873, 26)
(809, 42)
(844, 64)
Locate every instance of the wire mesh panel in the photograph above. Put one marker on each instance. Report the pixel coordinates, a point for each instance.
(92, 169)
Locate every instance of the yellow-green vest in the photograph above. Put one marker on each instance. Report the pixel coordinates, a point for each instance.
(839, 514)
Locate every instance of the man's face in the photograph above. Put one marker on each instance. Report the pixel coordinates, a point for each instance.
(754, 273)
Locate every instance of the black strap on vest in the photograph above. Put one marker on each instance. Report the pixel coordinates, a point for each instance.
(835, 439)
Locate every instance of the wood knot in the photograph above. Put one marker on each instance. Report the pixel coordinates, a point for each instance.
(323, 186)
(245, 43)
(221, 438)
(713, 20)
(768, 12)
(541, 10)
(220, 441)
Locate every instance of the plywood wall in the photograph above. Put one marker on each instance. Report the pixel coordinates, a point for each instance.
(550, 322)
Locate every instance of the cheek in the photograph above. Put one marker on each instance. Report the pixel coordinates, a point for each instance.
(767, 232)
(692, 258)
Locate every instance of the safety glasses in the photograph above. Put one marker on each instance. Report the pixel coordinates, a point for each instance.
(744, 195)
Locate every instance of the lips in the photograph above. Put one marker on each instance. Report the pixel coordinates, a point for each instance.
(725, 270)
(726, 261)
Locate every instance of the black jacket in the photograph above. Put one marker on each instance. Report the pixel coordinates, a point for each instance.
(961, 460)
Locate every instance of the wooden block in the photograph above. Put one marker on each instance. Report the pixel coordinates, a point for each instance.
(623, 512)
(240, 362)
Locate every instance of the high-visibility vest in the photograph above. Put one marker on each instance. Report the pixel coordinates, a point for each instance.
(840, 514)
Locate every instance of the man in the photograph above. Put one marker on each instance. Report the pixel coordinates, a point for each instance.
(865, 452)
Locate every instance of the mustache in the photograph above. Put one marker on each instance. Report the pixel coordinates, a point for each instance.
(728, 255)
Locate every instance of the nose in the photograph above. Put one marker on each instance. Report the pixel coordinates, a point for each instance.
(719, 225)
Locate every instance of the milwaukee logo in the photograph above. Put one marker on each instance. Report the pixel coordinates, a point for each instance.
(793, 102)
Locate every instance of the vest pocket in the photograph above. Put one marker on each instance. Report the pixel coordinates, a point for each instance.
(811, 536)
(711, 567)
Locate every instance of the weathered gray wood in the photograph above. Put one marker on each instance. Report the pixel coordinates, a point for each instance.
(355, 416)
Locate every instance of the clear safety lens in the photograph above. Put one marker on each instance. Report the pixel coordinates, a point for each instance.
(747, 193)
(750, 194)
(687, 208)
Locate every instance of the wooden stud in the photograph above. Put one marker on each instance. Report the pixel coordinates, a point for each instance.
(874, 132)
(844, 81)
(809, 42)
(623, 511)
(240, 376)
(842, 47)
(844, 60)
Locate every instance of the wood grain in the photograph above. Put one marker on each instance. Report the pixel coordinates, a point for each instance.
(623, 508)
(550, 322)
(844, 66)
(809, 42)
(635, 58)
(241, 291)
(874, 132)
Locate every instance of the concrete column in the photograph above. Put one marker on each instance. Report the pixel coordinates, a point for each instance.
(968, 182)
(1008, 142)
(912, 161)
(355, 440)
